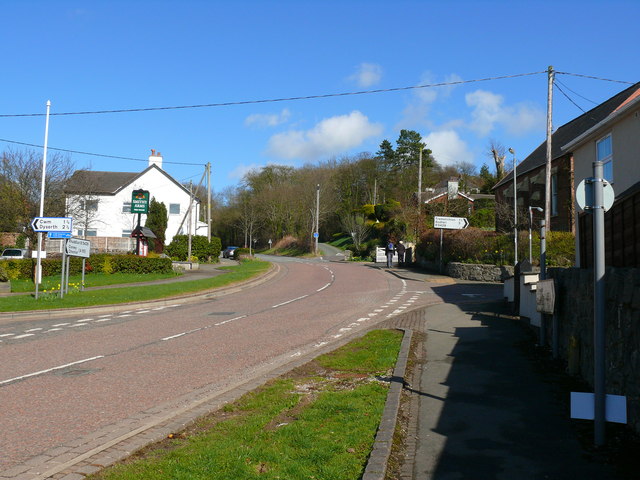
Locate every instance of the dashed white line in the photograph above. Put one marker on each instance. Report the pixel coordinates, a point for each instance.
(230, 320)
(84, 320)
(326, 286)
(7, 335)
(25, 335)
(103, 320)
(53, 330)
(42, 372)
(60, 325)
(78, 325)
(33, 330)
(289, 301)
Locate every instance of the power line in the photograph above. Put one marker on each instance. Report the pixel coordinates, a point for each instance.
(591, 77)
(569, 98)
(95, 154)
(275, 100)
(576, 93)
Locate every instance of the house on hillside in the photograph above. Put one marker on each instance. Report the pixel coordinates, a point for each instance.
(448, 192)
(100, 204)
(615, 141)
(568, 169)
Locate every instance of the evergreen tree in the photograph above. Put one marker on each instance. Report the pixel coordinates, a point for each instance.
(157, 220)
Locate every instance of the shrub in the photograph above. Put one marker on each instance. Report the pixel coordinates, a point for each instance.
(200, 247)
(4, 277)
(240, 252)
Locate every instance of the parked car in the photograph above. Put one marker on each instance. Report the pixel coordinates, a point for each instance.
(228, 252)
(14, 253)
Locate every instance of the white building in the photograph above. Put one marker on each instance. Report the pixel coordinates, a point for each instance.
(100, 203)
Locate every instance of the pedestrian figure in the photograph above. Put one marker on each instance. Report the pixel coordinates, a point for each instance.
(388, 251)
(401, 250)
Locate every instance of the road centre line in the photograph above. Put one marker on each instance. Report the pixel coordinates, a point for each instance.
(48, 370)
(24, 335)
(289, 301)
(230, 320)
(7, 335)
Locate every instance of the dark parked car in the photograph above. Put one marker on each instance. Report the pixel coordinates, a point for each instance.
(228, 252)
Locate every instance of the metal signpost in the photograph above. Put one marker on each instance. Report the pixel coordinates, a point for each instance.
(449, 223)
(595, 195)
(51, 225)
(73, 247)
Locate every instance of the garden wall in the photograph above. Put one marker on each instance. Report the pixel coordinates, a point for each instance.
(574, 310)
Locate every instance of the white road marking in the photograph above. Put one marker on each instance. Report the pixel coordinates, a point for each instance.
(181, 334)
(143, 311)
(84, 320)
(230, 320)
(362, 319)
(326, 286)
(60, 325)
(7, 335)
(53, 330)
(297, 354)
(289, 301)
(103, 320)
(105, 316)
(120, 316)
(25, 335)
(321, 344)
(33, 330)
(344, 330)
(78, 325)
(42, 372)
(337, 336)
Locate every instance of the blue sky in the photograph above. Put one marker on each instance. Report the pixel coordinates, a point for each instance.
(110, 55)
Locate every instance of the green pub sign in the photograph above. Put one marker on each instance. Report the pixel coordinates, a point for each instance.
(140, 201)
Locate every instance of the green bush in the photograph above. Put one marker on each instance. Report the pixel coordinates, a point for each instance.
(200, 247)
(4, 277)
(474, 245)
(238, 252)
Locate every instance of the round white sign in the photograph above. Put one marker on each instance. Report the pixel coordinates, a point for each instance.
(584, 195)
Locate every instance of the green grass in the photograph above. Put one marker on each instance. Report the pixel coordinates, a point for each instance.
(316, 423)
(90, 280)
(87, 298)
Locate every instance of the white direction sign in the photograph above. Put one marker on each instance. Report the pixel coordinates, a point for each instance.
(77, 247)
(51, 224)
(451, 223)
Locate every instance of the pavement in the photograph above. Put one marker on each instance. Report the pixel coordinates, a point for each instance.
(472, 401)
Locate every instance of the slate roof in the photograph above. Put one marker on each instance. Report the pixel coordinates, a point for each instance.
(568, 132)
(108, 183)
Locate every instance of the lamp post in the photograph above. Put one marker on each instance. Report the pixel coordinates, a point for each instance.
(515, 210)
(531, 226)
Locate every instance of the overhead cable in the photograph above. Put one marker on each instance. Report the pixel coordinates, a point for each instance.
(95, 154)
(274, 100)
(593, 78)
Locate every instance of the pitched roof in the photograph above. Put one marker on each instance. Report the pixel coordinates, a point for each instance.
(109, 183)
(568, 132)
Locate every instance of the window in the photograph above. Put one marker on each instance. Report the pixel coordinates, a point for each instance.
(554, 194)
(174, 209)
(126, 207)
(90, 232)
(604, 154)
(89, 205)
(126, 233)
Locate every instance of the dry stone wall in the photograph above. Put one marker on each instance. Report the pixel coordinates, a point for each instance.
(574, 310)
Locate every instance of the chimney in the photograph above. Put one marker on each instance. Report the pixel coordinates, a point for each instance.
(452, 188)
(155, 158)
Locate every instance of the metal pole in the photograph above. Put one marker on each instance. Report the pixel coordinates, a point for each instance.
(317, 233)
(599, 305)
(38, 278)
(189, 220)
(530, 227)
(209, 201)
(441, 230)
(515, 210)
(543, 276)
(82, 283)
(62, 276)
(547, 190)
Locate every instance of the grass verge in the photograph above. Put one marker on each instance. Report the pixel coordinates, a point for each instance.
(317, 422)
(88, 298)
(91, 280)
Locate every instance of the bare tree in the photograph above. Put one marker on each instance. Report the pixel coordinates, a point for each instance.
(82, 200)
(497, 151)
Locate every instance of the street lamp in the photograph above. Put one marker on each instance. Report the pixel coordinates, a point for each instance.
(539, 209)
(515, 210)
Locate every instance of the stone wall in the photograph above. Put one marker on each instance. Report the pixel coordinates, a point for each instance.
(477, 272)
(574, 310)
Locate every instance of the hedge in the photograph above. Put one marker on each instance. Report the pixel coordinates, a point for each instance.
(97, 263)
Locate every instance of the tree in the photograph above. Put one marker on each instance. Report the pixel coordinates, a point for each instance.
(488, 180)
(157, 221)
(498, 153)
(82, 201)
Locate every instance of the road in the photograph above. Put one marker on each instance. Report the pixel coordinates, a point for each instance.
(64, 378)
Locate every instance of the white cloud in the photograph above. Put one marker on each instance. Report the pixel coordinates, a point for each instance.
(240, 171)
(332, 136)
(367, 74)
(267, 120)
(489, 110)
(448, 148)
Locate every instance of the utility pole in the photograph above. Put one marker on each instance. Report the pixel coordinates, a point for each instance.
(547, 172)
(44, 176)
(317, 232)
(515, 209)
(209, 201)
